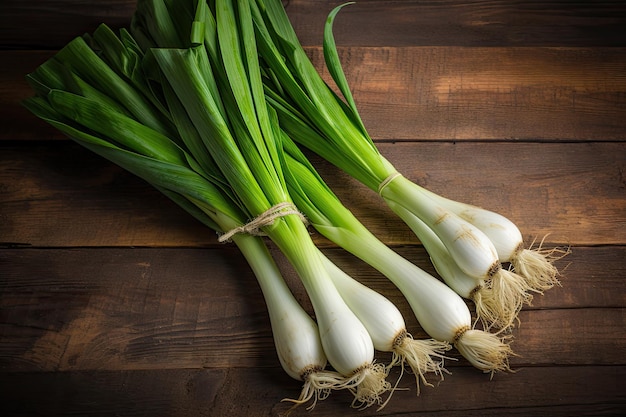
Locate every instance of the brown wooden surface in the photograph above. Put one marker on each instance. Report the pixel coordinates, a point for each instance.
(114, 302)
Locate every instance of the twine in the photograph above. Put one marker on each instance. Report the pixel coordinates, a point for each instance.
(386, 182)
(264, 219)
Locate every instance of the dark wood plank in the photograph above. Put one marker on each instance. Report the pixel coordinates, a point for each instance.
(51, 24)
(27, 180)
(58, 194)
(465, 23)
(438, 93)
(121, 309)
(488, 93)
(489, 23)
(17, 123)
(554, 391)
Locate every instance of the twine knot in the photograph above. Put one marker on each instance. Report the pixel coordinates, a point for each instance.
(264, 219)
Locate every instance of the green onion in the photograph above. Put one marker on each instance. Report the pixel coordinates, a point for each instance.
(535, 265)
(315, 117)
(441, 312)
(386, 326)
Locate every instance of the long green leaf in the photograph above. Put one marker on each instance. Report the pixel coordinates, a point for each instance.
(78, 56)
(164, 175)
(344, 140)
(242, 72)
(154, 16)
(125, 57)
(333, 63)
(195, 145)
(188, 82)
(120, 128)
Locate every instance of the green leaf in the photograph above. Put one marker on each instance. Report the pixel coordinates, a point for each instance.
(243, 74)
(120, 128)
(187, 79)
(196, 146)
(85, 63)
(153, 16)
(123, 55)
(161, 174)
(210, 35)
(335, 69)
(198, 27)
(344, 141)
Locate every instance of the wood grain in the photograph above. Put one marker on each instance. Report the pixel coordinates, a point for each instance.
(369, 22)
(117, 309)
(535, 391)
(438, 93)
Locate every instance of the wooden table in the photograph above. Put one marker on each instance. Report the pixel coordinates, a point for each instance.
(115, 302)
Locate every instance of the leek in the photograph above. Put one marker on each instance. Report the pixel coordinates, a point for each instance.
(91, 114)
(201, 100)
(441, 312)
(220, 88)
(315, 117)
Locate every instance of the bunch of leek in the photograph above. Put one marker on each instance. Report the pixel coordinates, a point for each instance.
(202, 101)
(242, 135)
(85, 94)
(477, 242)
(441, 312)
(420, 355)
(196, 126)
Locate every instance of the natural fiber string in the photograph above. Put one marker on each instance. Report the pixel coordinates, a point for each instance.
(386, 182)
(264, 219)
